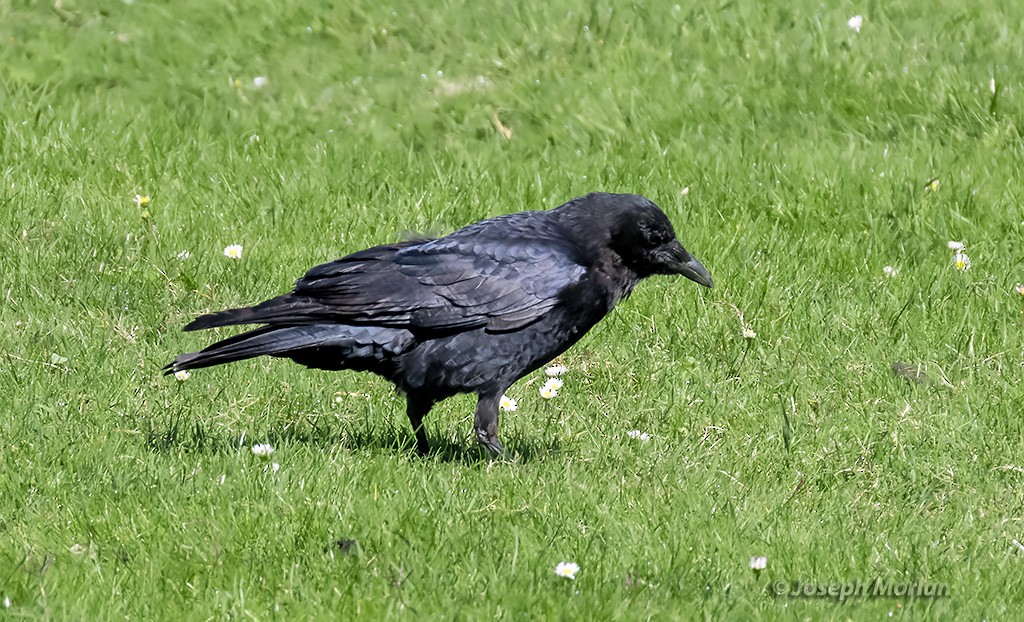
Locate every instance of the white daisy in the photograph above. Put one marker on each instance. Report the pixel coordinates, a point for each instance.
(262, 450)
(182, 375)
(855, 22)
(962, 262)
(233, 251)
(556, 370)
(567, 569)
(507, 403)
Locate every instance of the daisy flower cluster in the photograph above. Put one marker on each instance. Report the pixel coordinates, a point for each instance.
(256, 84)
(548, 391)
(231, 251)
(960, 261)
(550, 388)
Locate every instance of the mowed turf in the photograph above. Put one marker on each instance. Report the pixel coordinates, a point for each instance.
(797, 158)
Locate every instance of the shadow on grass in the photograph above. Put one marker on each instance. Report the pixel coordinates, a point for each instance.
(191, 435)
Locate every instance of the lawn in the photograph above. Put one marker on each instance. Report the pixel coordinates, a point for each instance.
(869, 430)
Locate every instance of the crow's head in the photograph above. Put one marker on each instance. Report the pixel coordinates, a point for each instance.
(641, 235)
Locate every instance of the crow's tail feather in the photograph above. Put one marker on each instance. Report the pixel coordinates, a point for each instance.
(282, 310)
(269, 340)
(320, 346)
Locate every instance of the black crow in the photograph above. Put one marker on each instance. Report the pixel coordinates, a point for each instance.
(471, 312)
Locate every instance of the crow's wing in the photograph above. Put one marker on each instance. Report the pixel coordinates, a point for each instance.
(501, 274)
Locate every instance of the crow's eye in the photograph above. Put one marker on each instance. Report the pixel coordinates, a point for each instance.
(655, 236)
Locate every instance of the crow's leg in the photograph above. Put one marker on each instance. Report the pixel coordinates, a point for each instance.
(486, 423)
(417, 407)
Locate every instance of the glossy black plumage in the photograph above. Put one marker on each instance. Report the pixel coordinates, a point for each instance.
(473, 311)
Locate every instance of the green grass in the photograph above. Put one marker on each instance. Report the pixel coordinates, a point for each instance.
(806, 148)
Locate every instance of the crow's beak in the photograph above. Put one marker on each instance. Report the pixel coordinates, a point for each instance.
(677, 261)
